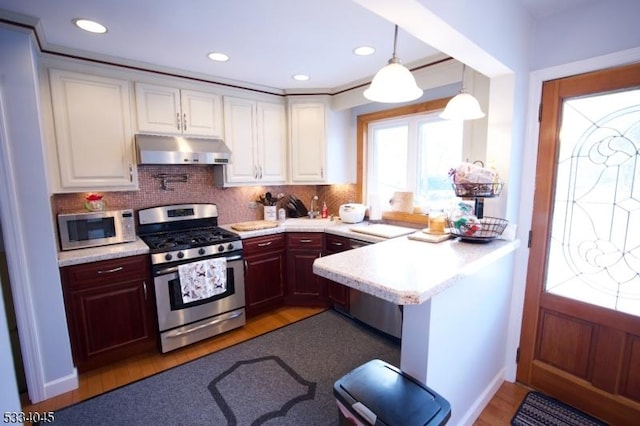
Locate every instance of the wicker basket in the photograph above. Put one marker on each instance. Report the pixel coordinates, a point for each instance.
(476, 190)
(492, 228)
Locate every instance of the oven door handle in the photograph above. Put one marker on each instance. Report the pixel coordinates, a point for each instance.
(218, 319)
(173, 269)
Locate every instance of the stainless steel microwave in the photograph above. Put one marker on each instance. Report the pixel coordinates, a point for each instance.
(92, 229)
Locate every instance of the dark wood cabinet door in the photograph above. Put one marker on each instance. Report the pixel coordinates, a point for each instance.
(337, 293)
(303, 286)
(110, 308)
(265, 274)
(109, 318)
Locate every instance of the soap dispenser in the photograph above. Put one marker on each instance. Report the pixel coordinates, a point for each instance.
(325, 211)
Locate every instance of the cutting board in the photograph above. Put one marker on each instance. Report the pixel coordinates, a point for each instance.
(429, 238)
(382, 230)
(254, 225)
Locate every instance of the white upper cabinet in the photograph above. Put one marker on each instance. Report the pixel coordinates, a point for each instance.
(307, 142)
(93, 133)
(169, 110)
(272, 142)
(255, 131)
(321, 148)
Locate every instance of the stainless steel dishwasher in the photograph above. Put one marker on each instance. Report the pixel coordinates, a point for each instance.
(373, 311)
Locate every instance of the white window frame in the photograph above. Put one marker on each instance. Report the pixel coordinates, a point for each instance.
(414, 122)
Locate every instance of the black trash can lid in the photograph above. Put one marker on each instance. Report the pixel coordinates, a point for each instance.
(382, 395)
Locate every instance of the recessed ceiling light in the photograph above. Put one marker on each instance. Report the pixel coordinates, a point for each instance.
(218, 57)
(89, 25)
(364, 50)
(300, 77)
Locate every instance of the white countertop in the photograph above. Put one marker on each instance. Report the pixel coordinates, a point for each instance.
(408, 272)
(336, 227)
(94, 254)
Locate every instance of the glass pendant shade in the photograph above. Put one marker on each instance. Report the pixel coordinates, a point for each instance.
(463, 106)
(394, 83)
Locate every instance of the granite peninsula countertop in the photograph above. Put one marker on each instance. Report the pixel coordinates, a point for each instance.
(408, 272)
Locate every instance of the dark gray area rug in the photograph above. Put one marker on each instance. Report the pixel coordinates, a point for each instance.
(285, 377)
(540, 410)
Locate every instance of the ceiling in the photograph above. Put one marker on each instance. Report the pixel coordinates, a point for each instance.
(267, 41)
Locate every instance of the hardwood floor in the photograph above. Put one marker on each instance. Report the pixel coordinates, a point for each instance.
(499, 411)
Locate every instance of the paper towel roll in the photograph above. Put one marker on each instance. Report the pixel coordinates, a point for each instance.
(375, 210)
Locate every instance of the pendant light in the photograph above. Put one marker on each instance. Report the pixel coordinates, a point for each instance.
(463, 106)
(394, 83)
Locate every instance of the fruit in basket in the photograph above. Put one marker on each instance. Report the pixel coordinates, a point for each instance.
(468, 225)
(463, 221)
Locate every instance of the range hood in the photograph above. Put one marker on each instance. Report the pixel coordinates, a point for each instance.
(155, 149)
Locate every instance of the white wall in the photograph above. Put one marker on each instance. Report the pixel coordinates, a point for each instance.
(468, 329)
(9, 398)
(28, 224)
(595, 29)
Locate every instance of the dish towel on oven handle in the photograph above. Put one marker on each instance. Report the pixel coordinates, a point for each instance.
(203, 279)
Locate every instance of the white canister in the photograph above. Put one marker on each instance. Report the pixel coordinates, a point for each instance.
(282, 214)
(270, 213)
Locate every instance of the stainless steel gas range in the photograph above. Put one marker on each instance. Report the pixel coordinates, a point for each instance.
(198, 272)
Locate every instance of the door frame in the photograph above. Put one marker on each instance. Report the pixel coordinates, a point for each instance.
(527, 185)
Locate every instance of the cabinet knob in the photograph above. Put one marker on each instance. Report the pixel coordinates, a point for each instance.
(178, 120)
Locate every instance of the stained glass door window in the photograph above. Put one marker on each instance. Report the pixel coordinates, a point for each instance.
(594, 254)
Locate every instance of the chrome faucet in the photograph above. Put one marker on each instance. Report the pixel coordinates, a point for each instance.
(314, 209)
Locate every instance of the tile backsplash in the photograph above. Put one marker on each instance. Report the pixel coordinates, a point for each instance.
(233, 203)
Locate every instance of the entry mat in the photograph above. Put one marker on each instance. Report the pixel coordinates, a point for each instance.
(540, 410)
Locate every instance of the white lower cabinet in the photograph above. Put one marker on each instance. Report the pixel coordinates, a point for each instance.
(93, 133)
(255, 131)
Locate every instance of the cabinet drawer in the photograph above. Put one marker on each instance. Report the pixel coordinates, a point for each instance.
(106, 271)
(335, 243)
(304, 240)
(260, 245)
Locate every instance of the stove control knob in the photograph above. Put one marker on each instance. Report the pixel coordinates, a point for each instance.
(230, 246)
(180, 255)
(220, 248)
(201, 251)
(168, 256)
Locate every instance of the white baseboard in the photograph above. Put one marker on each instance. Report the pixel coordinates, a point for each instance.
(483, 399)
(61, 385)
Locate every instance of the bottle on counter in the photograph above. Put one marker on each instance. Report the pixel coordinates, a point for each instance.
(325, 210)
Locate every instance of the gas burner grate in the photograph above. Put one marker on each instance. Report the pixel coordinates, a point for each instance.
(188, 238)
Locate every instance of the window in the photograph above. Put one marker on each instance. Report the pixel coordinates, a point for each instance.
(413, 153)
(595, 243)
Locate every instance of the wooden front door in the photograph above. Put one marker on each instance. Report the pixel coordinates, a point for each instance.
(580, 338)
